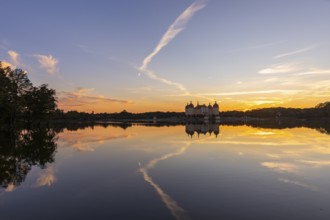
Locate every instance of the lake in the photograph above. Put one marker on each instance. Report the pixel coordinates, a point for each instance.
(135, 171)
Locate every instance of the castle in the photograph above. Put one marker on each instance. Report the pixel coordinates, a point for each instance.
(202, 110)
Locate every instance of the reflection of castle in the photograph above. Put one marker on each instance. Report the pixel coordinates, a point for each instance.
(202, 129)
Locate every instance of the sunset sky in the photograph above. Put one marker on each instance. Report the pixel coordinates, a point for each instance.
(149, 55)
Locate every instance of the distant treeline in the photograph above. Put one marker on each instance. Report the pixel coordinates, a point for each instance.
(319, 111)
(84, 116)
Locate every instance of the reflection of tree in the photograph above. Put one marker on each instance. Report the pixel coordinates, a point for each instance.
(20, 150)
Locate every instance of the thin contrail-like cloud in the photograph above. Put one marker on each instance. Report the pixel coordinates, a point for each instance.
(294, 52)
(176, 27)
(178, 212)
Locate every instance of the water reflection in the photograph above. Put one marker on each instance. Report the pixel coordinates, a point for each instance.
(21, 150)
(210, 129)
(256, 170)
(177, 211)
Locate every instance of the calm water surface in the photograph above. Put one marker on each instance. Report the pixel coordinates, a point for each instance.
(148, 172)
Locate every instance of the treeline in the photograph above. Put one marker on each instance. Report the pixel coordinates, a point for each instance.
(320, 111)
(84, 116)
(21, 101)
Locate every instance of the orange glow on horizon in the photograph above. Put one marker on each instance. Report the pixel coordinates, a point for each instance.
(179, 106)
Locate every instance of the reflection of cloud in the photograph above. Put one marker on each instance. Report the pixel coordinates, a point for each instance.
(47, 177)
(281, 167)
(87, 140)
(273, 156)
(47, 62)
(176, 27)
(264, 133)
(316, 163)
(153, 162)
(294, 52)
(297, 183)
(176, 210)
(11, 187)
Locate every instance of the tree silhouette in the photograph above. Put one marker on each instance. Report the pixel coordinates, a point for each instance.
(20, 99)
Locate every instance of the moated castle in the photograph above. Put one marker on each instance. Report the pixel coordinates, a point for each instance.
(199, 111)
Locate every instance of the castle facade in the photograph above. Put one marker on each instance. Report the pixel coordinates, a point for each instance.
(202, 110)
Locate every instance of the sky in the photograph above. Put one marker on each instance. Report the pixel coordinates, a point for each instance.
(147, 55)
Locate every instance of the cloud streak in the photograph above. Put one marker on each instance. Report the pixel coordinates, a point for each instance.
(13, 57)
(313, 72)
(277, 69)
(294, 52)
(6, 64)
(49, 63)
(83, 96)
(175, 28)
(287, 92)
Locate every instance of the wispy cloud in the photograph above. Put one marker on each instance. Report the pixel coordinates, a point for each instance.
(175, 28)
(313, 72)
(288, 92)
(253, 47)
(294, 52)
(271, 80)
(279, 68)
(13, 57)
(153, 75)
(84, 96)
(49, 63)
(6, 64)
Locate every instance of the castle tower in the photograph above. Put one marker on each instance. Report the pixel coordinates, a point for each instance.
(216, 109)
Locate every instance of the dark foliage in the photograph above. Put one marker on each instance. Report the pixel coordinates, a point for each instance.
(21, 101)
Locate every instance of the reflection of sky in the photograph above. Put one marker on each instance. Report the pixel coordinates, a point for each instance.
(88, 139)
(244, 172)
(178, 212)
(297, 152)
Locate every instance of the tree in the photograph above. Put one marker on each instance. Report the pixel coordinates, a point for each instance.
(18, 98)
(40, 103)
(14, 85)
